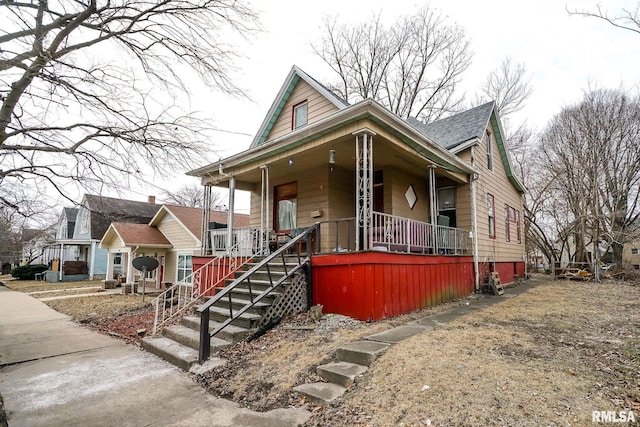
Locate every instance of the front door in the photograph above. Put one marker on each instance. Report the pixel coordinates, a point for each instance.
(286, 207)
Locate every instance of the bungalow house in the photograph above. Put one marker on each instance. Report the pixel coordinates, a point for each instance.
(80, 230)
(172, 236)
(404, 214)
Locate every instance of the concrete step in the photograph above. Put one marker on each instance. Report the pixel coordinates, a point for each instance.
(173, 352)
(361, 352)
(320, 393)
(247, 320)
(239, 303)
(243, 292)
(190, 338)
(395, 335)
(231, 333)
(341, 373)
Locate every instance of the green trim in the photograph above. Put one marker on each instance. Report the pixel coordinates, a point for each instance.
(503, 153)
(278, 110)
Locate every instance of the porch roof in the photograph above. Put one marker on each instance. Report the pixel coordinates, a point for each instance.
(414, 140)
(136, 235)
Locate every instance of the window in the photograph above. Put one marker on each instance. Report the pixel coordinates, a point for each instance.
(84, 222)
(511, 215)
(446, 204)
(491, 214)
(489, 151)
(185, 268)
(286, 206)
(507, 231)
(117, 259)
(299, 116)
(635, 251)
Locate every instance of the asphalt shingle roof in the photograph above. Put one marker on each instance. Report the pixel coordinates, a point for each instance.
(140, 234)
(457, 129)
(105, 210)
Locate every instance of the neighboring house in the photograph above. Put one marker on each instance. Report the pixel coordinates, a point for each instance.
(410, 215)
(172, 236)
(36, 244)
(78, 236)
(631, 254)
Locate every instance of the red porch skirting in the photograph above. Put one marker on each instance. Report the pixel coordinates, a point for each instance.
(375, 285)
(506, 270)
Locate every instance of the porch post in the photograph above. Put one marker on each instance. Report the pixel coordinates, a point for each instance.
(206, 215)
(264, 208)
(433, 208)
(364, 187)
(92, 260)
(129, 254)
(232, 193)
(109, 275)
(61, 261)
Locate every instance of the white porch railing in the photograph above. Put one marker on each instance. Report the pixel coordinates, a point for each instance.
(394, 233)
(246, 238)
(183, 295)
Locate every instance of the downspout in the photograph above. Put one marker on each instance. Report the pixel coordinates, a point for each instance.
(474, 232)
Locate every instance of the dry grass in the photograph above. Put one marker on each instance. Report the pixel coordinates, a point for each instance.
(96, 309)
(36, 286)
(548, 357)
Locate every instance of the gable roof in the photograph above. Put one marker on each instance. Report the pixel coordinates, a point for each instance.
(457, 129)
(191, 218)
(138, 234)
(105, 210)
(457, 132)
(283, 95)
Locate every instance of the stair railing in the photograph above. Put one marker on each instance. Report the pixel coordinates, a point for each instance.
(183, 295)
(281, 255)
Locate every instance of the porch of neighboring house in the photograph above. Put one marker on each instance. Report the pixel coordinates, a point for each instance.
(71, 260)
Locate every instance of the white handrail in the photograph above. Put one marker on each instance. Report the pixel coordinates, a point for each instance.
(182, 295)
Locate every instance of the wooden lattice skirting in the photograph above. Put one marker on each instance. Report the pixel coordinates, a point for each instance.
(293, 300)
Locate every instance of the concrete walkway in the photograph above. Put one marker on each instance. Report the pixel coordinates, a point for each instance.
(54, 372)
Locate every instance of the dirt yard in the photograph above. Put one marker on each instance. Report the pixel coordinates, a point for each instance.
(548, 357)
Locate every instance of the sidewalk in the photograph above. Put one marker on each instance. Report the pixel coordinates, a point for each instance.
(54, 372)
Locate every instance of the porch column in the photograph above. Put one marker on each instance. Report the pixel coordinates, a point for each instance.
(92, 259)
(364, 187)
(129, 256)
(60, 261)
(264, 208)
(109, 275)
(433, 207)
(232, 193)
(206, 215)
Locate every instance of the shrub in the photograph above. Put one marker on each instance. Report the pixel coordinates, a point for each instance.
(28, 272)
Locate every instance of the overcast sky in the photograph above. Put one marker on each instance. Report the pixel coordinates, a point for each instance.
(564, 54)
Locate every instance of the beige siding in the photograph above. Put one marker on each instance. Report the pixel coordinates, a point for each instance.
(496, 183)
(396, 183)
(628, 257)
(179, 237)
(317, 108)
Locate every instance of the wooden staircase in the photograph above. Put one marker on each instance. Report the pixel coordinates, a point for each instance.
(179, 343)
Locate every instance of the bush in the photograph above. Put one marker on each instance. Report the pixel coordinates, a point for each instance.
(28, 272)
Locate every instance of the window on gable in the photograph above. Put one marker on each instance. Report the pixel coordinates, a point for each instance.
(299, 117)
(489, 151)
(491, 215)
(635, 251)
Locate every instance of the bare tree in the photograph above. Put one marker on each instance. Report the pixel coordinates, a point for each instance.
(509, 86)
(592, 152)
(88, 88)
(627, 19)
(192, 195)
(412, 66)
